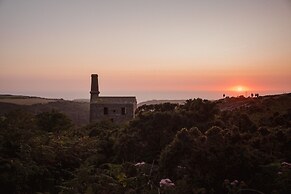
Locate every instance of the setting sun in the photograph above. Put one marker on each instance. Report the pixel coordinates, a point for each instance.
(239, 88)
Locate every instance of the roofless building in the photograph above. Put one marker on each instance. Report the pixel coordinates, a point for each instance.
(117, 109)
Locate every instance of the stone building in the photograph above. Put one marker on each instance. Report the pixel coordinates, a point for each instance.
(116, 109)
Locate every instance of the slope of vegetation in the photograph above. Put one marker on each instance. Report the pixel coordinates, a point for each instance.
(77, 111)
(24, 100)
(196, 147)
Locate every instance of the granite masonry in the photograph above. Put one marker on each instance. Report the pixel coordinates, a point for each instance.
(117, 109)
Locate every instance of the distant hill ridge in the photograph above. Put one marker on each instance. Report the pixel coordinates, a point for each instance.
(151, 102)
(10, 96)
(26, 100)
(281, 101)
(78, 110)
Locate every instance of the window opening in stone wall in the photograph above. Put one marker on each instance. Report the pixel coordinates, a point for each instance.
(123, 110)
(105, 111)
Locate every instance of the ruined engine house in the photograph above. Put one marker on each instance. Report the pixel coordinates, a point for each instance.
(118, 109)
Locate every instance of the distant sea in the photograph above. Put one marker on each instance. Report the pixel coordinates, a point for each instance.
(148, 95)
(184, 95)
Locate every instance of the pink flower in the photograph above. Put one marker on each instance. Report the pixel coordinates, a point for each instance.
(286, 165)
(166, 183)
(234, 183)
(139, 164)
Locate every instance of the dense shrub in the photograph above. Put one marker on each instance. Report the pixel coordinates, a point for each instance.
(53, 121)
(167, 148)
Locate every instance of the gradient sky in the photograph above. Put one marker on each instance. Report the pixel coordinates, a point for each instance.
(154, 49)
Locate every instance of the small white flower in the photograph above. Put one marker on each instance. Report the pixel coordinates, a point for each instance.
(286, 165)
(139, 164)
(234, 183)
(166, 183)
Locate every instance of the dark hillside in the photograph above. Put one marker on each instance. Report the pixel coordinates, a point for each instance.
(78, 112)
(262, 110)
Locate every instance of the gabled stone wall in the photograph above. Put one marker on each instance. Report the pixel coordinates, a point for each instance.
(117, 113)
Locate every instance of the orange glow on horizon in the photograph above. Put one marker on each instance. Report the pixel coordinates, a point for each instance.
(240, 88)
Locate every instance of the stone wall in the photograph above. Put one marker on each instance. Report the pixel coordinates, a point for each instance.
(118, 113)
(118, 109)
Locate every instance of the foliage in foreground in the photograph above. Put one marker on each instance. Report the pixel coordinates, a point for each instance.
(168, 148)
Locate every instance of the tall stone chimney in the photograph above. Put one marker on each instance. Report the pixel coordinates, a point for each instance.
(94, 87)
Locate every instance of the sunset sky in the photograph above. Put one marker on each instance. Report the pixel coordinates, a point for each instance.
(153, 49)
